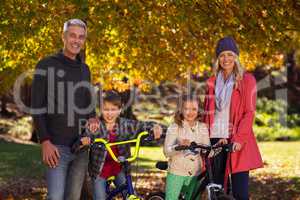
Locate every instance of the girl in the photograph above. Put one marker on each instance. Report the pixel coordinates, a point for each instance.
(184, 166)
(114, 129)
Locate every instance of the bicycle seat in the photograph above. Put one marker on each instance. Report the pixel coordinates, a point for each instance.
(162, 165)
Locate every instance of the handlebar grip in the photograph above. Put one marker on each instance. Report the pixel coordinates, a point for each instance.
(149, 137)
(226, 147)
(162, 165)
(229, 147)
(181, 147)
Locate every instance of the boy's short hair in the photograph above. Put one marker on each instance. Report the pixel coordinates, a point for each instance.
(113, 97)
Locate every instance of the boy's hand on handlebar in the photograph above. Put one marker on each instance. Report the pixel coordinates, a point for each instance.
(184, 142)
(236, 146)
(93, 124)
(85, 141)
(157, 131)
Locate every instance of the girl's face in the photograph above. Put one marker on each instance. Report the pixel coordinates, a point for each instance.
(226, 60)
(190, 110)
(110, 112)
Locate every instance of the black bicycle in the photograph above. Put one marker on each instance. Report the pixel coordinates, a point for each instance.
(214, 191)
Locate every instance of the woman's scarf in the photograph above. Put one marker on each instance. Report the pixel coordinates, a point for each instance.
(223, 90)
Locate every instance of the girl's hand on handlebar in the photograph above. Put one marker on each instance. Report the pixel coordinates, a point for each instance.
(236, 146)
(157, 131)
(184, 142)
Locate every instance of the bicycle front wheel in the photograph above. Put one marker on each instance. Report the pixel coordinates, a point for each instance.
(156, 196)
(225, 197)
(133, 197)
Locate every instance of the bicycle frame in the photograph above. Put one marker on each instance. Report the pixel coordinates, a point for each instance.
(109, 145)
(211, 185)
(128, 185)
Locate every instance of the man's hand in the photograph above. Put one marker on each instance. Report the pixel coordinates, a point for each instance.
(157, 131)
(93, 124)
(50, 154)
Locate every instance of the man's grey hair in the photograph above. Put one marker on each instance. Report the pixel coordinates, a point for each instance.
(74, 22)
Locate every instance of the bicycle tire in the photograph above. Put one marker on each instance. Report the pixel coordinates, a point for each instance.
(213, 195)
(216, 195)
(225, 197)
(156, 196)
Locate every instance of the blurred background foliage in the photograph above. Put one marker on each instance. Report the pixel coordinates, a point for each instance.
(155, 42)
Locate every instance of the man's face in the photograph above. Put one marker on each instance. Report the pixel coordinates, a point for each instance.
(74, 39)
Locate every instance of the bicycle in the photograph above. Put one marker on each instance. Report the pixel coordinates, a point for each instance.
(128, 186)
(214, 191)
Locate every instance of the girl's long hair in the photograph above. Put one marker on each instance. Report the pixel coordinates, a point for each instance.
(178, 118)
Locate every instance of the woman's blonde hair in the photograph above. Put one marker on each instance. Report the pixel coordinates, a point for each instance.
(238, 69)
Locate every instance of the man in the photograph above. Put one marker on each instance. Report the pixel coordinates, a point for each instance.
(61, 98)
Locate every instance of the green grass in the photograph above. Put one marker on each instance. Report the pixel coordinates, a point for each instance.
(148, 156)
(279, 178)
(19, 161)
(281, 158)
(22, 160)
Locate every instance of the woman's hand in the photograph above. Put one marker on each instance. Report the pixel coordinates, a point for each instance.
(236, 146)
(157, 131)
(222, 142)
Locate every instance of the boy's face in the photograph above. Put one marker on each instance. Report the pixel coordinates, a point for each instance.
(190, 110)
(110, 112)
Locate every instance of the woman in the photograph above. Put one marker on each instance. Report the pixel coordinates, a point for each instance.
(229, 113)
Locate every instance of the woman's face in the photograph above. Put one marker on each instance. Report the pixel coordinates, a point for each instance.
(110, 112)
(226, 60)
(190, 110)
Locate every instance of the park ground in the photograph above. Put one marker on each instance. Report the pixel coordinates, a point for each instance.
(22, 177)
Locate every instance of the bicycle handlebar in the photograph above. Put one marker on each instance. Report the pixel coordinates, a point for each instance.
(193, 146)
(137, 142)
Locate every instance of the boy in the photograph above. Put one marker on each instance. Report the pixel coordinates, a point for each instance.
(113, 128)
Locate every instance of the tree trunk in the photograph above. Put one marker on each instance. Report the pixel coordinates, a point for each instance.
(4, 111)
(293, 83)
